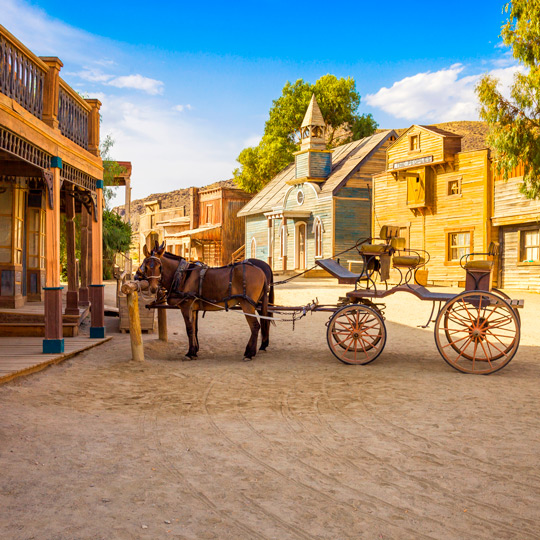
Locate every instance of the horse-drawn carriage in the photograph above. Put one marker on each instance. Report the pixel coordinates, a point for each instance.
(476, 331)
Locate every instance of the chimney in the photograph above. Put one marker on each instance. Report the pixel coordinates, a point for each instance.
(194, 207)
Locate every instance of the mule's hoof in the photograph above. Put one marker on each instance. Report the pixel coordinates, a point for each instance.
(247, 359)
(189, 358)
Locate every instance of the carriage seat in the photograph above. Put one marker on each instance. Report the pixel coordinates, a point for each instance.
(386, 234)
(478, 266)
(408, 261)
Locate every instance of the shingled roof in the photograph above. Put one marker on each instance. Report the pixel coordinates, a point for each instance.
(345, 159)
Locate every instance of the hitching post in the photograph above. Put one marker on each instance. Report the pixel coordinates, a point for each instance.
(162, 324)
(131, 289)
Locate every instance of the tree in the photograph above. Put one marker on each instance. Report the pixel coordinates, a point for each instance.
(515, 123)
(338, 100)
(116, 233)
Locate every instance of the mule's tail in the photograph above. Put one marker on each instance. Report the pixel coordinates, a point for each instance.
(265, 323)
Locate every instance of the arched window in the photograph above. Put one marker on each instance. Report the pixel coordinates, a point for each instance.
(253, 252)
(318, 230)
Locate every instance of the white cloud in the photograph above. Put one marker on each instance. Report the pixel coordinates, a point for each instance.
(439, 96)
(182, 108)
(138, 82)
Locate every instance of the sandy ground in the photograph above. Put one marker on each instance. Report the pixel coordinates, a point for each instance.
(291, 445)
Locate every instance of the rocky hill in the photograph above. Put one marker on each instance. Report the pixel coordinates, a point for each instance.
(170, 199)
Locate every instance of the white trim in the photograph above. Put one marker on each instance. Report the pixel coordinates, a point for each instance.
(251, 253)
(318, 221)
(297, 225)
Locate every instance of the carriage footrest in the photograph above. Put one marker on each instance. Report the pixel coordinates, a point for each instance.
(517, 304)
(344, 276)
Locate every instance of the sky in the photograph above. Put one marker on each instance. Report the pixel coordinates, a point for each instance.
(185, 86)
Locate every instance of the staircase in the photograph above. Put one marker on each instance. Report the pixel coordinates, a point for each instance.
(239, 254)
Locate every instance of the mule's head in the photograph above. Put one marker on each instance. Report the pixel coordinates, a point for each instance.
(150, 268)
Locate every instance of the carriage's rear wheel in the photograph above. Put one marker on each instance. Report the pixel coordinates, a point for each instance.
(477, 332)
(356, 334)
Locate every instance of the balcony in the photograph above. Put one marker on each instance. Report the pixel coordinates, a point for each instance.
(35, 84)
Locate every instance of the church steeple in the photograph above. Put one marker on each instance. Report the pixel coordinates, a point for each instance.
(313, 128)
(313, 163)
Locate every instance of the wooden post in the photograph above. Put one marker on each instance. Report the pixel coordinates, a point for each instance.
(54, 339)
(284, 232)
(72, 295)
(162, 324)
(93, 126)
(135, 333)
(97, 292)
(83, 263)
(51, 90)
(270, 231)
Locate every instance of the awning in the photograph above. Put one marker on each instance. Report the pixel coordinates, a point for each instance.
(209, 232)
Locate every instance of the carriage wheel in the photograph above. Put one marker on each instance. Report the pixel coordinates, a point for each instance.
(477, 332)
(356, 334)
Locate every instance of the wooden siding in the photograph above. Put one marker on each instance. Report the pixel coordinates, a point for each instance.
(320, 164)
(302, 165)
(232, 234)
(514, 274)
(428, 229)
(510, 206)
(353, 222)
(440, 147)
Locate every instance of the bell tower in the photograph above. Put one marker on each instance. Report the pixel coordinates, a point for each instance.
(313, 161)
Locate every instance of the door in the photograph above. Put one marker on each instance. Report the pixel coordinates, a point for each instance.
(301, 246)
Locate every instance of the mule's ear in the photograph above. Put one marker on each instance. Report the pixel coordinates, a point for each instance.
(145, 251)
(160, 249)
(156, 246)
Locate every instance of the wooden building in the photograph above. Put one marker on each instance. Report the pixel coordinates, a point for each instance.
(216, 231)
(319, 205)
(439, 196)
(518, 221)
(49, 164)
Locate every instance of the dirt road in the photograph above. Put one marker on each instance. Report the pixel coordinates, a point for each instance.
(293, 445)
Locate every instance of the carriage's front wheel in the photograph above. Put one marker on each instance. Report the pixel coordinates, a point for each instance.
(477, 332)
(356, 334)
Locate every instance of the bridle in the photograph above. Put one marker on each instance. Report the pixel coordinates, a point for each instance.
(141, 272)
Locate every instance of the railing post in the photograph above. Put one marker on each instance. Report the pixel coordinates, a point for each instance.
(93, 126)
(51, 90)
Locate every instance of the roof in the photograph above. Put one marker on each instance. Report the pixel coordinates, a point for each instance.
(440, 131)
(199, 232)
(313, 115)
(345, 159)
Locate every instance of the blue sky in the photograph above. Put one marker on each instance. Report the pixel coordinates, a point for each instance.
(185, 86)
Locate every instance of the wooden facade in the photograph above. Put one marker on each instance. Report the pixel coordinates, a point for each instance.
(49, 165)
(216, 231)
(439, 197)
(318, 206)
(518, 221)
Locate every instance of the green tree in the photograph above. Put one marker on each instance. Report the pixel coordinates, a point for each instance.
(338, 100)
(515, 122)
(116, 233)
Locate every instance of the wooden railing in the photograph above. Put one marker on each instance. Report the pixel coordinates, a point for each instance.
(73, 114)
(239, 254)
(21, 76)
(35, 84)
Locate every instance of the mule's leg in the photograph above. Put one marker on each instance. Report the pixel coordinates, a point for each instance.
(251, 347)
(265, 323)
(188, 319)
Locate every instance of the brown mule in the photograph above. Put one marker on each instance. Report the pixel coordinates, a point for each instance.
(193, 287)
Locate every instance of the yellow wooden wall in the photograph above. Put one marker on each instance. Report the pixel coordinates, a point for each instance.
(428, 228)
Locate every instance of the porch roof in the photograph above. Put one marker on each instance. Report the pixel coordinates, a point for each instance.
(207, 232)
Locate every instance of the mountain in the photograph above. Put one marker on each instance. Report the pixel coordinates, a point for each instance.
(170, 199)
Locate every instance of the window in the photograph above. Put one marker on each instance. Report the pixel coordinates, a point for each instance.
(6, 210)
(530, 246)
(253, 252)
(318, 231)
(36, 238)
(459, 244)
(414, 143)
(300, 197)
(454, 187)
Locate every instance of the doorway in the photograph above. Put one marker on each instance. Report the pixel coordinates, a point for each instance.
(300, 247)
